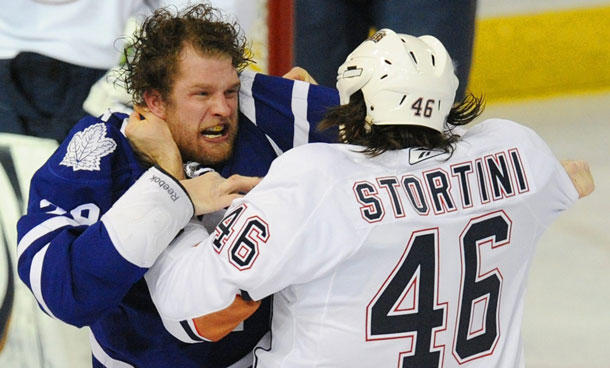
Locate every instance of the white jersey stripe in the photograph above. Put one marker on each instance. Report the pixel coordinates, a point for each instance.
(276, 148)
(103, 357)
(35, 278)
(124, 126)
(41, 230)
(299, 110)
(246, 100)
(106, 116)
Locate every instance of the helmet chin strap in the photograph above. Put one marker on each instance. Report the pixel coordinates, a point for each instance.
(342, 133)
(368, 124)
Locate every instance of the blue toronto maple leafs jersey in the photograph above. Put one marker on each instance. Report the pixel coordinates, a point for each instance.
(70, 257)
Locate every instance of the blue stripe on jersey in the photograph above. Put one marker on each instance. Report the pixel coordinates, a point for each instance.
(278, 99)
(274, 119)
(319, 99)
(273, 101)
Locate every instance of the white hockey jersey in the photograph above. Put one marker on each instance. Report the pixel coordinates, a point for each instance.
(413, 258)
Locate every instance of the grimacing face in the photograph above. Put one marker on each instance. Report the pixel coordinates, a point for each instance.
(202, 108)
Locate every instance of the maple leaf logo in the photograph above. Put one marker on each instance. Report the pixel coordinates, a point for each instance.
(86, 148)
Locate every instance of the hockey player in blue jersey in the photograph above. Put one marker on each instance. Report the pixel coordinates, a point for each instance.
(98, 216)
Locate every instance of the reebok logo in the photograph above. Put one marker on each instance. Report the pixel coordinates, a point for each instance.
(163, 185)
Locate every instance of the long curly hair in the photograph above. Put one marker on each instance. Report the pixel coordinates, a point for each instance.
(376, 139)
(151, 57)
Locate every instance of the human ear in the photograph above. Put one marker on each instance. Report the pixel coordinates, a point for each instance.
(155, 103)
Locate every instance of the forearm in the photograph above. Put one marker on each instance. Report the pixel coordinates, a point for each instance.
(181, 278)
(79, 267)
(215, 326)
(74, 272)
(147, 217)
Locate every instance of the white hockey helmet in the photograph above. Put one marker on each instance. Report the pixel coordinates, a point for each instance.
(405, 80)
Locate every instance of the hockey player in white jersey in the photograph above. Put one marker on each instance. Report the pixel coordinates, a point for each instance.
(407, 245)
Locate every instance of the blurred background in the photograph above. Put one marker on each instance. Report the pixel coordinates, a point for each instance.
(543, 63)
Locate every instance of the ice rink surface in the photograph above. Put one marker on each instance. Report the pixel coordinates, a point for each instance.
(567, 312)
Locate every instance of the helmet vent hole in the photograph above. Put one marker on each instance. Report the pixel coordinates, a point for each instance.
(403, 40)
(402, 99)
(387, 61)
(413, 56)
(433, 61)
(372, 108)
(383, 76)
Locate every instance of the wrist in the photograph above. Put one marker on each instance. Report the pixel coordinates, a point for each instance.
(190, 189)
(171, 165)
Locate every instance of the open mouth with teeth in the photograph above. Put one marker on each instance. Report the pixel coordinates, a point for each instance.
(214, 132)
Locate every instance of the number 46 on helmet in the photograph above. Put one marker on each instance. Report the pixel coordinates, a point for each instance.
(405, 80)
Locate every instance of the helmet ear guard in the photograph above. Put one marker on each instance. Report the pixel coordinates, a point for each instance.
(353, 76)
(405, 80)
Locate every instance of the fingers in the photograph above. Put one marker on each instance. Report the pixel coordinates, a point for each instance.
(211, 192)
(580, 174)
(298, 73)
(146, 114)
(142, 110)
(138, 116)
(135, 117)
(293, 74)
(239, 184)
(226, 200)
(235, 184)
(133, 124)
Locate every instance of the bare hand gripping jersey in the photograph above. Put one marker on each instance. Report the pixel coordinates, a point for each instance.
(96, 220)
(409, 259)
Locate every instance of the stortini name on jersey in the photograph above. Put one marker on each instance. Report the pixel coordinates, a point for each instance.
(438, 191)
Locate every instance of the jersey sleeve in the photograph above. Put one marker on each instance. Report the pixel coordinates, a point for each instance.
(264, 243)
(85, 238)
(287, 111)
(554, 189)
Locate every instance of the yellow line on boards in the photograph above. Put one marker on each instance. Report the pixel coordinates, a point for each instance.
(540, 55)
